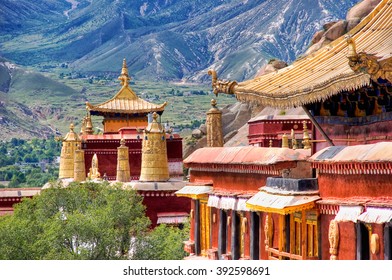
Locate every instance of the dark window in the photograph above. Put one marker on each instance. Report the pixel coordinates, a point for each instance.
(222, 239)
(363, 246)
(388, 242)
(254, 236)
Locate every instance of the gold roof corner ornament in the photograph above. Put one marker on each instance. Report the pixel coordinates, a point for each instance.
(221, 86)
(363, 62)
(124, 77)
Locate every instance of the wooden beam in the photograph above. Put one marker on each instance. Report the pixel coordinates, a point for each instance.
(317, 125)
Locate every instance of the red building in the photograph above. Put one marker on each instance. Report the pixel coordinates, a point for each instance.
(343, 209)
(9, 197)
(267, 128)
(221, 181)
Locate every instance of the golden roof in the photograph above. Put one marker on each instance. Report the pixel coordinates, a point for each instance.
(323, 73)
(126, 101)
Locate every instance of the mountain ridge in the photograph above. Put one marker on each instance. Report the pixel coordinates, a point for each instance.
(167, 40)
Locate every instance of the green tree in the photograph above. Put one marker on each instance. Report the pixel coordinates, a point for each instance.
(162, 243)
(80, 221)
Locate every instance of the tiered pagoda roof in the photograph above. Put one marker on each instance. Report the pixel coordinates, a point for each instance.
(125, 101)
(326, 72)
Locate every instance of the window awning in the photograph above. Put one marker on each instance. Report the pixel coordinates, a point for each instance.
(348, 213)
(375, 215)
(241, 204)
(213, 201)
(195, 192)
(172, 218)
(228, 203)
(279, 203)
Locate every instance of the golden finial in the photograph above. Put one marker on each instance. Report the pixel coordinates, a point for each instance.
(306, 138)
(285, 141)
(293, 140)
(155, 117)
(214, 126)
(270, 143)
(352, 51)
(124, 77)
(71, 127)
(122, 142)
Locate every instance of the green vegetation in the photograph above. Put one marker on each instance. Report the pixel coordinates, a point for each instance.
(163, 243)
(86, 221)
(28, 163)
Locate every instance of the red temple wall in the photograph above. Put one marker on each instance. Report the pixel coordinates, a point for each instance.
(106, 151)
(365, 185)
(230, 182)
(373, 131)
(261, 131)
(159, 204)
(347, 241)
(324, 229)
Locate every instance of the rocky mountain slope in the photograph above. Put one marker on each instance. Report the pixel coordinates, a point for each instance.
(164, 40)
(32, 105)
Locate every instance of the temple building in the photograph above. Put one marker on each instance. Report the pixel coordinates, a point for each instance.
(268, 127)
(134, 148)
(330, 197)
(10, 196)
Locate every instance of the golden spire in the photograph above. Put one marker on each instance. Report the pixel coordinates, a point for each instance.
(306, 138)
(83, 127)
(270, 143)
(71, 142)
(88, 129)
(154, 155)
(214, 126)
(123, 170)
(124, 77)
(79, 166)
(285, 141)
(293, 140)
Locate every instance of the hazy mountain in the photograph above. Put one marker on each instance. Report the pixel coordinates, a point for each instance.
(163, 39)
